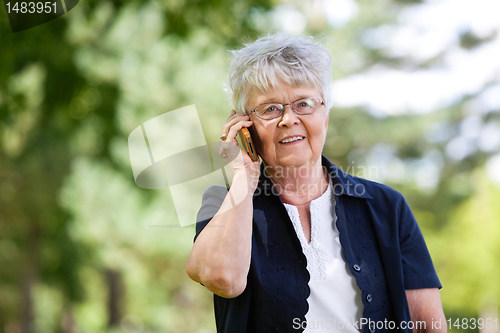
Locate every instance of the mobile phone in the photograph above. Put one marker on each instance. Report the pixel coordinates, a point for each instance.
(246, 141)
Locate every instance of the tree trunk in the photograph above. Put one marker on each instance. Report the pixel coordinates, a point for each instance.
(115, 292)
(28, 322)
(29, 279)
(68, 324)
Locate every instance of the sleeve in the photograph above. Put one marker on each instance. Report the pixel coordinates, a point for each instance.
(418, 268)
(210, 204)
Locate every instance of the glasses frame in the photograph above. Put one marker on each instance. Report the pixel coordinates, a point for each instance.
(282, 109)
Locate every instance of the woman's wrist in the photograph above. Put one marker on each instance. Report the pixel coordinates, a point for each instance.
(244, 180)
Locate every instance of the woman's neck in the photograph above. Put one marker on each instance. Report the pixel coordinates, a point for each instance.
(298, 185)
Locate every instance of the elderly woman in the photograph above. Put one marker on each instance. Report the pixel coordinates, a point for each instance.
(296, 244)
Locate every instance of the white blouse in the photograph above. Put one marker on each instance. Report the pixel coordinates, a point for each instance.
(335, 299)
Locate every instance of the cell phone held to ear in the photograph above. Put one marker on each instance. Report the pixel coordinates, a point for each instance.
(247, 143)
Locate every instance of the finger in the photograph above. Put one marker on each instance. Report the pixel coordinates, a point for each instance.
(233, 131)
(230, 123)
(232, 113)
(234, 120)
(235, 114)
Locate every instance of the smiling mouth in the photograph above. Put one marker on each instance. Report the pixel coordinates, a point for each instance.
(292, 139)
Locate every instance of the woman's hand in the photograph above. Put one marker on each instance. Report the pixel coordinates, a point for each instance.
(240, 163)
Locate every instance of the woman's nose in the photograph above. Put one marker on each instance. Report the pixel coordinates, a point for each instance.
(289, 117)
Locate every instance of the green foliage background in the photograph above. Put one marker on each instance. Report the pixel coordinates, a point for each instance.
(73, 89)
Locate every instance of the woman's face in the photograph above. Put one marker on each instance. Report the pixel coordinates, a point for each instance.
(268, 135)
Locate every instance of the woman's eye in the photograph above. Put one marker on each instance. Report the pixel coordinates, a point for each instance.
(306, 103)
(271, 109)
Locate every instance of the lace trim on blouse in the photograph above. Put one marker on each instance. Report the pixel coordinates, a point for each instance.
(318, 264)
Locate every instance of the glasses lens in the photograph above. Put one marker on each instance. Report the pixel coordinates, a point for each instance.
(269, 110)
(307, 105)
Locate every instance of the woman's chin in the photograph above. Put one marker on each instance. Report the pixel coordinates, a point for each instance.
(294, 161)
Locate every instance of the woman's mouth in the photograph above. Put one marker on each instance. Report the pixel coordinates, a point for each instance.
(292, 139)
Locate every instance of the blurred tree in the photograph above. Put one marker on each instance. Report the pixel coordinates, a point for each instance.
(63, 96)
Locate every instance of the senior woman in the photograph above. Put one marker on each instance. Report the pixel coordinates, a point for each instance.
(296, 244)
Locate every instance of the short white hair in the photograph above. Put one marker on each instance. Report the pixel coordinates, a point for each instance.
(296, 60)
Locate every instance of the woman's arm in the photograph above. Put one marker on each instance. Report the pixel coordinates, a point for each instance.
(425, 306)
(220, 257)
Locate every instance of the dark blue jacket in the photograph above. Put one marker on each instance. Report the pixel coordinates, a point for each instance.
(381, 243)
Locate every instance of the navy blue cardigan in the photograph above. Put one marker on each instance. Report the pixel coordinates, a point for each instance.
(381, 243)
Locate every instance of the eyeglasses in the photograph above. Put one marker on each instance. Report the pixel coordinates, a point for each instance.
(268, 111)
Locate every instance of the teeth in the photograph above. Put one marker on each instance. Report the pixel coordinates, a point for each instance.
(295, 138)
